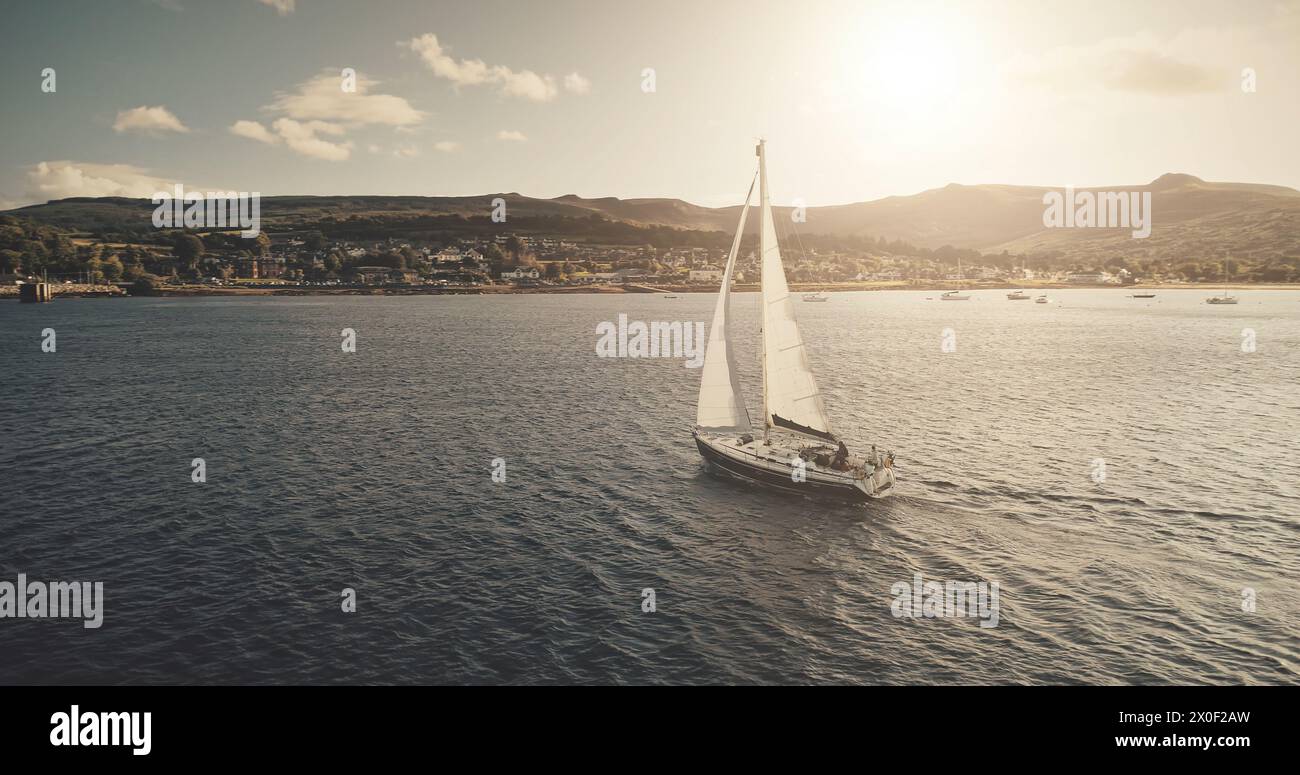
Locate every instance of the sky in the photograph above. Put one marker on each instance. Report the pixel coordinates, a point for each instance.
(857, 100)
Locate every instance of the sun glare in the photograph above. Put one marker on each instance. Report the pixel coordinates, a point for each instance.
(914, 62)
(912, 75)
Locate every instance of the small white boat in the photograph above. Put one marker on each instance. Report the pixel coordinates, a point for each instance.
(817, 297)
(1225, 298)
(670, 295)
(956, 295)
(1041, 299)
(1018, 296)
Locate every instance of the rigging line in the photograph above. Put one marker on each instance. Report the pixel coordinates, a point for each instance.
(793, 228)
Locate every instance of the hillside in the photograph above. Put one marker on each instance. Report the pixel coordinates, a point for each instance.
(1192, 218)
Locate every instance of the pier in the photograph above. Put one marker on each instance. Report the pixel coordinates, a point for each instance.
(33, 293)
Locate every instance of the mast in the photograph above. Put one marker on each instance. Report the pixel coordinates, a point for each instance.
(762, 250)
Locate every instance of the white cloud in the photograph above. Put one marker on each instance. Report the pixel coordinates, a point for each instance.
(1118, 65)
(464, 72)
(253, 131)
(1193, 61)
(318, 109)
(282, 7)
(511, 135)
(62, 179)
(406, 152)
(147, 119)
(302, 138)
(322, 99)
(476, 72)
(446, 146)
(526, 84)
(576, 83)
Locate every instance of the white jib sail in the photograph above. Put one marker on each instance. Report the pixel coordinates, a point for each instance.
(791, 400)
(721, 405)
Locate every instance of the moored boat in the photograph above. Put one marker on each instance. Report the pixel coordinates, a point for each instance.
(1225, 298)
(956, 295)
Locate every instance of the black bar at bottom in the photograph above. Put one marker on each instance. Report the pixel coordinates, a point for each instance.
(210, 725)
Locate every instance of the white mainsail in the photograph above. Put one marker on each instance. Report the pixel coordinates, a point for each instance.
(721, 405)
(790, 396)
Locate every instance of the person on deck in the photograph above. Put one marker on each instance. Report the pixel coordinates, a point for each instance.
(841, 455)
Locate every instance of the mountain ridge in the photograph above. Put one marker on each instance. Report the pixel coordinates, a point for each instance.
(1189, 215)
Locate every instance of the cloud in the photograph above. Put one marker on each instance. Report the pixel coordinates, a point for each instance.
(253, 131)
(148, 120)
(511, 135)
(318, 109)
(1150, 72)
(322, 99)
(1138, 64)
(406, 152)
(475, 72)
(464, 72)
(303, 138)
(526, 84)
(282, 7)
(446, 146)
(576, 83)
(62, 179)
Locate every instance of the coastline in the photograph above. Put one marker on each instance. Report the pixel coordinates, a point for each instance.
(113, 291)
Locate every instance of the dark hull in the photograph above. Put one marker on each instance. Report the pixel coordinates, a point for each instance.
(738, 469)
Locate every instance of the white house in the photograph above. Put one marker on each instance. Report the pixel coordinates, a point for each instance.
(708, 274)
(447, 256)
(888, 274)
(521, 273)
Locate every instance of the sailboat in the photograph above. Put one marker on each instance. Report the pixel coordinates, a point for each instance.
(1225, 298)
(806, 457)
(956, 295)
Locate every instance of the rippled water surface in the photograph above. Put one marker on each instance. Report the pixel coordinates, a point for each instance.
(372, 470)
